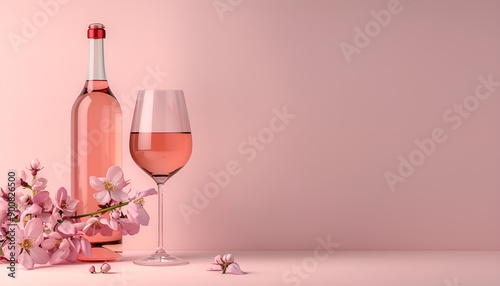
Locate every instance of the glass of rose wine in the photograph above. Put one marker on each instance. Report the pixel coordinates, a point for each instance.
(160, 143)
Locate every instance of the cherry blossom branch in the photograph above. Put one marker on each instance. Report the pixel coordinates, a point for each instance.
(47, 225)
(107, 209)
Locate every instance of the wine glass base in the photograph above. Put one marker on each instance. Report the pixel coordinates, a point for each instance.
(160, 259)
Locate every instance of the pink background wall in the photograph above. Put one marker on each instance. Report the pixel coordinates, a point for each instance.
(322, 173)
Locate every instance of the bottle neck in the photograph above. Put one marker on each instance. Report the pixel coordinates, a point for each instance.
(96, 60)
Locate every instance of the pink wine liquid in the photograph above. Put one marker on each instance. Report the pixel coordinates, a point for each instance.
(96, 144)
(160, 154)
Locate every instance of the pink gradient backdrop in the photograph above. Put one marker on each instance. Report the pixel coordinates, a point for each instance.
(324, 173)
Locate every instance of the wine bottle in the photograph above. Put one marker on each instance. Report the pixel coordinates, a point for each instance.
(96, 141)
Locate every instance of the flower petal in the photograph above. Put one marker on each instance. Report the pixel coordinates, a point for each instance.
(138, 214)
(143, 217)
(26, 260)
(33, 209)
(66, 227)
(96, 183)
(64, 244)
(59, 256)
(106, 231)
(114, 225)
(215, 267)
(74, 249)
(71, 204)
(48, 244)
(23, 175)
(145, 193)
(119, 196)
(129, 227)
(39, 184)
(33, 228)
(218, 260)
(35, 164)
(234, 268)
(115, 175)
(228, 258)
(62, 195)
(103, 197)
(85, 247)
(39, 255)
(55, 235)
(132, 209)
(19, 235)
(80, 225)
(41, 196)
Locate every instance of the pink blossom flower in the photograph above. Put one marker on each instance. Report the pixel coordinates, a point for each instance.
(111, 187)
(21, 180)
(92, 269)
(136, 211)
(23, 201)
(64, 203)
(59, 246)
(105, 267)
(35, 166)
(94, 226)
(39, 184)
(129, 227)
(114, 222)
(226, 264)
(41, 203)
(52, 223)
(79, 245)
(118, 223)
(28, 240)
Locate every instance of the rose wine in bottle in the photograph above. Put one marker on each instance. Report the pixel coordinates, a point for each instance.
(96, 141)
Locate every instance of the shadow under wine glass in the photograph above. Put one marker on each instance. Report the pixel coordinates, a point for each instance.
(160, 144)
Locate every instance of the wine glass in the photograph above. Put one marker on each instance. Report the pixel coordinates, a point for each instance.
(160, 143)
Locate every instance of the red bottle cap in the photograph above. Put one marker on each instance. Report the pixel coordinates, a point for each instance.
(96, 31)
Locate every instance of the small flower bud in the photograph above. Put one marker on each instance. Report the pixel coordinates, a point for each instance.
(228, 258)
(115, 215)
(105, 268)
(218, 260)
(35, 167)
(35, 164)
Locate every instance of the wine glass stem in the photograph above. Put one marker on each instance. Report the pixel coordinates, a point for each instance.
(160, 248)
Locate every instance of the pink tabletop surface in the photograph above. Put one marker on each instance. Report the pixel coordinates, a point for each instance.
(356, 268)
